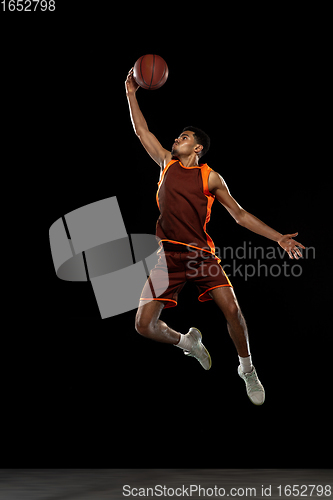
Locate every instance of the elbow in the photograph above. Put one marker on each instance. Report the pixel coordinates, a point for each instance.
(240, 217)
(139, 131)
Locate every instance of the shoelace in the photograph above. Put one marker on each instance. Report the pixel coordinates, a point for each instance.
(254, 382)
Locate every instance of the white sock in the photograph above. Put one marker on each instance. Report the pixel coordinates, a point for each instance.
(246, 364)
(185, 342)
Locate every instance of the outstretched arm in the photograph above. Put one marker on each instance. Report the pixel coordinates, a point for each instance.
(148, 140)
(218, 188)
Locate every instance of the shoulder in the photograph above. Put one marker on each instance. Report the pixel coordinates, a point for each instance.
(215, 181)
(167, 159)
(167, 166)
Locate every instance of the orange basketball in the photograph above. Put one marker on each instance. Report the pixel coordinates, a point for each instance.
(150, 71)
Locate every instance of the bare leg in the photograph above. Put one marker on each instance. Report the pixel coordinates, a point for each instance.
(148, 324)
(225, 298)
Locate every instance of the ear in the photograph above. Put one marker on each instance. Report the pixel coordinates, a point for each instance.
(198, 148)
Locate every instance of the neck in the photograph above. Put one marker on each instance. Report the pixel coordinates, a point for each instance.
(189, 161)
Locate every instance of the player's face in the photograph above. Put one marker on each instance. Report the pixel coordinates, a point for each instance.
(184, 144)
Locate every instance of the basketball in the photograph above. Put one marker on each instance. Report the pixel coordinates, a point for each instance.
(150, 72)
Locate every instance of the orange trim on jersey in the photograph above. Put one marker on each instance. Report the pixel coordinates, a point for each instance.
(209, 289)
(163, 300)
(205, 171)
(162, 177)
(205, 174)
(186, 245)
(210, 242)
(195, 166)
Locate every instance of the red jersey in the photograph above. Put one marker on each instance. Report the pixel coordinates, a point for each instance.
(185, 205)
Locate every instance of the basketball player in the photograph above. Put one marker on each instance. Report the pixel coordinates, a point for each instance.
(185, 195)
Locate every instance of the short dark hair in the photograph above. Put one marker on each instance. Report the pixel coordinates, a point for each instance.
(201, 137)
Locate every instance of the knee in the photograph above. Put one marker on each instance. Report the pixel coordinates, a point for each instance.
(233, 312)
(143, 326)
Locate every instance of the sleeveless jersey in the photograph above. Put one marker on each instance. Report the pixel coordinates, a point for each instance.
(185, 205)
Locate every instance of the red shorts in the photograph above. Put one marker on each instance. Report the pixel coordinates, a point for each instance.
(175, 268)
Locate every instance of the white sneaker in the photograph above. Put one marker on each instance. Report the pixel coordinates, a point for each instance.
(198, 350)
(254, 388)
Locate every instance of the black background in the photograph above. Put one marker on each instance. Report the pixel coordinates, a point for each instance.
(84, 392)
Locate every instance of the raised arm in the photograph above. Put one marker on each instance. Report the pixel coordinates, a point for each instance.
(148, 140)
(218, 188)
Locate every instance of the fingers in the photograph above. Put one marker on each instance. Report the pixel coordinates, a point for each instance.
(129, 75)
(296, 252)
(299, 244)
(294, 255)
(297, 249)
